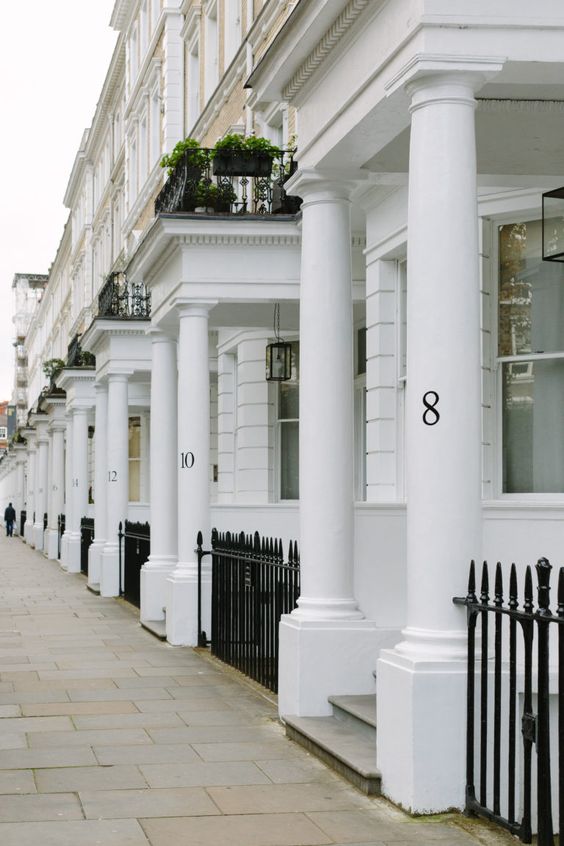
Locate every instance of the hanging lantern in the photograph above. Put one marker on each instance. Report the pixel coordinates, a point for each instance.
(278, 354)
(553, 225)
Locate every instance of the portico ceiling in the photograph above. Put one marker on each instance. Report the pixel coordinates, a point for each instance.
(521, 137)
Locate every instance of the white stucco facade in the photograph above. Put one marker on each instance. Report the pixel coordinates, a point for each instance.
(427, 132)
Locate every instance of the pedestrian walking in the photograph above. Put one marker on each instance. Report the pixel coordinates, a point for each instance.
(9, 517)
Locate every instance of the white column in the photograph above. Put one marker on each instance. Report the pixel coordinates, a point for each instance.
(421, 683)
(193, 477)
(57, 486)
(42, 480)
(100, 485)
(68, 491)
(79, 485)
(30, 509)
(117, 481)
(163, 478)
(325, 642)
(20, 483)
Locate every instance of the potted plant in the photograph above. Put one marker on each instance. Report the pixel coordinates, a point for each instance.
(189, 153)
(205, 197)
(234, 155)
(52, 367)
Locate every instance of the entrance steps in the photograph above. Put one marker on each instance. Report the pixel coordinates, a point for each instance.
(156, 627)
(345, 741)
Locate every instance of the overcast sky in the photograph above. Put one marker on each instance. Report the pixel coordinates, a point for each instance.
(53, 62)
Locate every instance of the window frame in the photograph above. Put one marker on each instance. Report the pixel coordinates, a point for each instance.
(520, 214)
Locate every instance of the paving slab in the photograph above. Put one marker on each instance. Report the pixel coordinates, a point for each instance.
(17, 781)
(183, 801)
(76, 833)
(30, 808)
(259, 830)
(63, 779)
(36, 758)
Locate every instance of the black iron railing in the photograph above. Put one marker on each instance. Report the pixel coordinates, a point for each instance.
(23, 516)
(252, 586)
(136, 543)
(250, 183)
(45, 521)
(86, 538)
(124, 299)
(77, 357)
(507, 683)
(61, 519)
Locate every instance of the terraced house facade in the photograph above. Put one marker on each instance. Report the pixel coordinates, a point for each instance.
(393, 249)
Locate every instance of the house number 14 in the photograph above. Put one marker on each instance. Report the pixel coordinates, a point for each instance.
(186, 460)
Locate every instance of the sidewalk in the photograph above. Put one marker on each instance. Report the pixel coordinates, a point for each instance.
(108, 736)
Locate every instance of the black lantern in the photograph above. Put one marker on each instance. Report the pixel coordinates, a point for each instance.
(278, 355)
(553, 225)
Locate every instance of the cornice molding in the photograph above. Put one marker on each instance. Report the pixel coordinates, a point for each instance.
(494, 104)
(240, 240)
(323, 47)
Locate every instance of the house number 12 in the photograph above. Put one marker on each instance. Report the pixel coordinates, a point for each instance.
(186, 460)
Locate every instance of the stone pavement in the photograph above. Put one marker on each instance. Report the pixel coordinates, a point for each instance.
(108, 736)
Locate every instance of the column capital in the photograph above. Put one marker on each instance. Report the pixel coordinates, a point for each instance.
(429, 69)
(159, 336)
(333, 185)
(193, 308)
(100, 388)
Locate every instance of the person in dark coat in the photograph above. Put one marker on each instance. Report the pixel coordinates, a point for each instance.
(9, 517)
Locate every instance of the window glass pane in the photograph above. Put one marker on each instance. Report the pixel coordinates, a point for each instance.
(289, 404)
(361, 351)
(289, 463)
(134, 437)
(288, 392)
(134, 481)
(531, 293)
(533, 427)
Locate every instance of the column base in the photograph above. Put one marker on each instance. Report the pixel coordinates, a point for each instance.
(51, 544)
(64, 551)
(73, 552)
(421, 738)
(182, 608)
(320, 658)
(28, 532)
(154, 587)
(109, 570)
(38, 536)
(95, 551)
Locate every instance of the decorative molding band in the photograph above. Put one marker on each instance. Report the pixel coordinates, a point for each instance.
(241, 240)
(494, 104)
(322, 49)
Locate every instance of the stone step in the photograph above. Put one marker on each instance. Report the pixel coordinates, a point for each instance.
(341, 745)
(359, 712)
(156, 627)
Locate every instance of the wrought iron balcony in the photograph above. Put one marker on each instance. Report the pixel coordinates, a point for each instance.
(77, 357)
(240, 184)
(123, 299)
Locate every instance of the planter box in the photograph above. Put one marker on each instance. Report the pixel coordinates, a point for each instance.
(242, 163)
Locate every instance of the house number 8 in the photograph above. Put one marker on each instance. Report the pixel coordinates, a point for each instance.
(186, 460)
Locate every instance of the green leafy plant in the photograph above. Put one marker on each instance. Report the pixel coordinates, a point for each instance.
(250, 144)
(86, 359)
(228, 144)
(205, 195)
(52, 367)
(189, 148)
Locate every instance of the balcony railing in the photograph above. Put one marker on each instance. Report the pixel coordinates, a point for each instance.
(124, 299)
(77, 357)
(250, 184)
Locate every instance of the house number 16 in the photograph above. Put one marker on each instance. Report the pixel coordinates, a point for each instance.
(186, 460)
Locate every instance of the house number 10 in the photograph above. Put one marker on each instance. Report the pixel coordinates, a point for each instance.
(186, 460)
